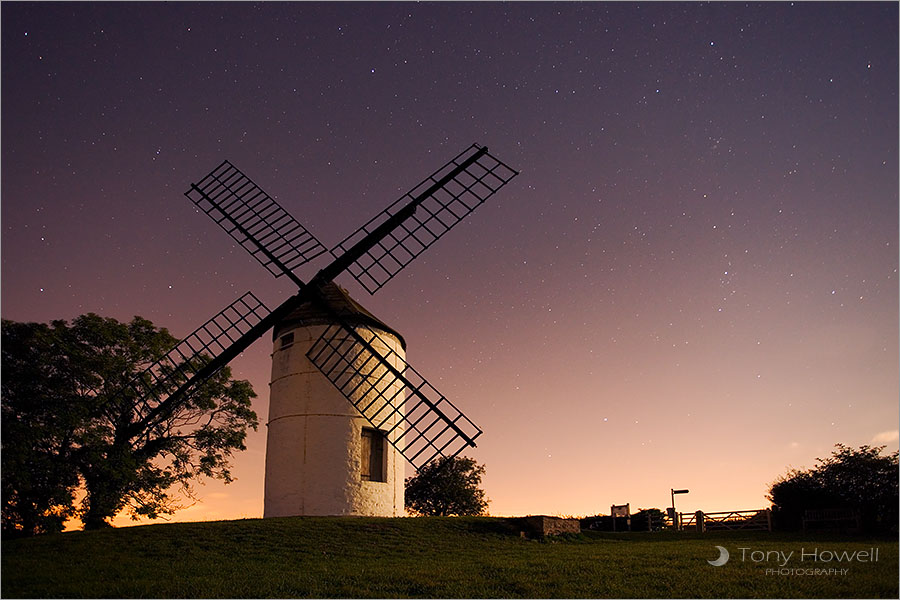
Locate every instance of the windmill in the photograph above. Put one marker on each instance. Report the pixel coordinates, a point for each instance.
(362, 359)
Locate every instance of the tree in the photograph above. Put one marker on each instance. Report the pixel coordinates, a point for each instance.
(648, 519)
(447, 486)
(860, 479)
(38, 481)
(125, 455)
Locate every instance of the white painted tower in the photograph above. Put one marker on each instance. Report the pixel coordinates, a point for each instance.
(322, 456)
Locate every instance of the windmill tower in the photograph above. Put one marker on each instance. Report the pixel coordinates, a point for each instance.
(323, 453)
(322, 456)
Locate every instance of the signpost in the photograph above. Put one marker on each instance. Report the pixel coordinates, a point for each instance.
(675, 524)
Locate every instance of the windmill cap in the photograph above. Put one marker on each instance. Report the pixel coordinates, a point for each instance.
(339, 300)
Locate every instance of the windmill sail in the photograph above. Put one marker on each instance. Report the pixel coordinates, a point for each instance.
(418, 420)
(254, 220)
(178, 369)
(444, 199)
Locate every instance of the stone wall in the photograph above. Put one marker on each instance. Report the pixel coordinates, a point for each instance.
(540, 525)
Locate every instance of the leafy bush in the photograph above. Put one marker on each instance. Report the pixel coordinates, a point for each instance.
(859, 479)
(445, 487)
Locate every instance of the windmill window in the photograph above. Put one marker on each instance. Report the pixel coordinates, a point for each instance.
(287, 340)
(372, 466)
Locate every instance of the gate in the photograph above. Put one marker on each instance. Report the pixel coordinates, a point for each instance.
(729, 520)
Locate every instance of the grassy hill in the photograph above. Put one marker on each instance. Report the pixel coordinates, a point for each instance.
(430, 557)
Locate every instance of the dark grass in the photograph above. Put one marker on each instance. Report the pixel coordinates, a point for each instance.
(431, 557)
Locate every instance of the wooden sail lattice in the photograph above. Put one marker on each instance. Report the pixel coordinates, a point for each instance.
(417, 419)
(254, 219)
(445, 201)
(197, 350)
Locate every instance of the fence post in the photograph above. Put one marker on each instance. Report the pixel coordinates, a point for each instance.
(698, 517)
(769, 518)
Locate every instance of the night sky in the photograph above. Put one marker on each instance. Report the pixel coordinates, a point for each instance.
(691, 284)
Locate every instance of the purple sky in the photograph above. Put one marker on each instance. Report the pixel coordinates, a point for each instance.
(692, 282)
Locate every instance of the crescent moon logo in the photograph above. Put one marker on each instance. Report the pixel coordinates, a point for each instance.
(723, 557)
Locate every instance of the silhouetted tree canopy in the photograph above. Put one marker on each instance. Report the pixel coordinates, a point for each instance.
(38, 479)
(648, 519)
(445, 487)
(68, 426)
(860, 479)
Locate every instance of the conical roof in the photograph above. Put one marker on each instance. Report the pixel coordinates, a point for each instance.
(341, 303)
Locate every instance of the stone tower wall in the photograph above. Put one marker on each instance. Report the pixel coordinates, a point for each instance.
(313, 450)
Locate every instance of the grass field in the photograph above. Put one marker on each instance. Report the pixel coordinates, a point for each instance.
(430, 557)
